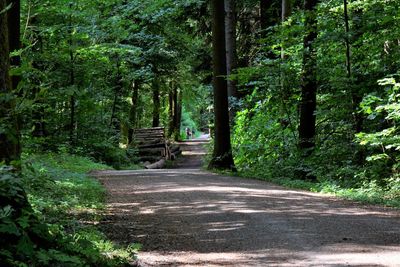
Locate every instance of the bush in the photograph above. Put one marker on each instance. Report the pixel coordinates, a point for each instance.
(56, 227)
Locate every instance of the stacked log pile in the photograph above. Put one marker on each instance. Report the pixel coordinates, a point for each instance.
(153, 147)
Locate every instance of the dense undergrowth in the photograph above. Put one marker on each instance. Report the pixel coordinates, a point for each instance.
(58, 228)
(362, 167)
(355, 152)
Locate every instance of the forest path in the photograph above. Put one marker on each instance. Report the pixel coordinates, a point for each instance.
(190, 217)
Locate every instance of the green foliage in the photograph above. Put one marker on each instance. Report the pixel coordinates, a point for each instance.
(70, 104)
(359, 165)
(59, 228)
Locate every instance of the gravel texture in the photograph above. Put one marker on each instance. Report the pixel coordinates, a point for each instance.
(189, 217)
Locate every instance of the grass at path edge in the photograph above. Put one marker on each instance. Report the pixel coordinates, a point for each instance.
(367, 194)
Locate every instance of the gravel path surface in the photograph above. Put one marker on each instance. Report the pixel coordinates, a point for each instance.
(189, 217)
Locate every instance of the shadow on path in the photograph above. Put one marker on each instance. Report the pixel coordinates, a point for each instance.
(189, 217)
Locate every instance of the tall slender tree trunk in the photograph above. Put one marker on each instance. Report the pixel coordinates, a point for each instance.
(156, 104)
(178, 113)
(171, 105)
(356, 96)
(71, 83)
(9, 134)
(269, 15)
(176, 132)
(307, 128)
(133, 110)
(38, 113)
(265, 6)
(14, 40)
(222, 154)
(14, 32)
(231, 53)
(117, 93)
(347, 39)
(286, 12)
(174, 125)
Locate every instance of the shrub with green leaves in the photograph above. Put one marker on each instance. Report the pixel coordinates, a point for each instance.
(56, 227)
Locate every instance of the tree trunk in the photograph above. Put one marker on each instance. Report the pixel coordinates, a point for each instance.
(117, 92)
(347, 39)
(356, 99)
(9, 135)
(174, 125)
(14, 40)
(356, 96)
(265, 6)
(231, 53)
(286, 12)
(269, 10)
(133, 110)
(307, 128)
(156, 104)
(171, 113)
(14, 32)
(71, 83)
(222, 154)
(176, 119)
(179, 114)
(38, 112)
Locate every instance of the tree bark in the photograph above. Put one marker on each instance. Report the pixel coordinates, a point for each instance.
(156, 104)
(170, 112)
(231, 53)
(179, 113)
(14, 32)
(347, 39)
(269, 10)
(356, 96)
(133, 110)
(71, 83)
(14, 40)
(222, 154)
(176, 119)
(286, 12)
(307, 128)
(38, 112)
(174, 125)
(9, 135)
(117, 92)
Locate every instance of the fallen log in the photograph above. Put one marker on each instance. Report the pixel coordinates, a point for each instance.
(157, 165)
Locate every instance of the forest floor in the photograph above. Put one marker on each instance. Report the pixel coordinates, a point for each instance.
(186, 216)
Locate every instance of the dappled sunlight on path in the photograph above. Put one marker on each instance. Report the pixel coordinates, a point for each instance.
(190, 217)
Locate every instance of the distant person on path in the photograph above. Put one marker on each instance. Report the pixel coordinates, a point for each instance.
(188, 133)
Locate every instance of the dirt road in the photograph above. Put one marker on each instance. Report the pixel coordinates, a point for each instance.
(190, 217)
